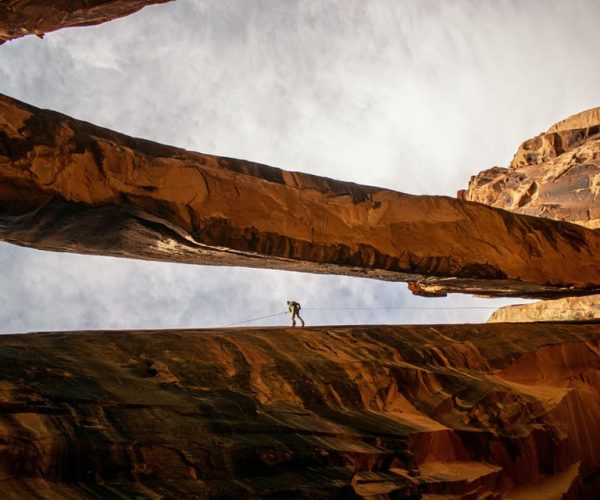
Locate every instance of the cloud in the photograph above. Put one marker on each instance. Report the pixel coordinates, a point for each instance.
(414, 96)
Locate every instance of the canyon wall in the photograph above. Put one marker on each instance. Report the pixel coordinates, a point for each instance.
(37, 17)
(67, 185)
(452, 411)
(554, 175)
(330, 412)
(565, 309)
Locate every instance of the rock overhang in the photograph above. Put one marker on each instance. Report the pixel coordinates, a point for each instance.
(68, 185)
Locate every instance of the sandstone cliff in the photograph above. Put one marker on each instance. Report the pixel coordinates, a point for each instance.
(565, 309)
(393, 411)
(554, 175)
(447, 411)
(37, 17)
(67, 185)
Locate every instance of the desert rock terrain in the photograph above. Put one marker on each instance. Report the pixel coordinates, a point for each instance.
(499, 410)
(554, 175)
(565, 309)
(67, 185)
(466, 411)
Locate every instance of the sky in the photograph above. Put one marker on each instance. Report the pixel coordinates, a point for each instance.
(415, 96)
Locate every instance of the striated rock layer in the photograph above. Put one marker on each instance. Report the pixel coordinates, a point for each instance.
(37, 17)
(328, 412)
(67, 185)
(554, 175)
(565, 309)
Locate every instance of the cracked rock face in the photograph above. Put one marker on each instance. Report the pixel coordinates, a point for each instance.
(68, 185)
(396, 411)
(37, 17)
(565, 309)
(554, 175)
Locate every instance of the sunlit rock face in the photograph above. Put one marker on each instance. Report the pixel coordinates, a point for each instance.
(566, 309)
(37, 17)
(68, 185)
(554, 175)
(330, 412)
(452, 411)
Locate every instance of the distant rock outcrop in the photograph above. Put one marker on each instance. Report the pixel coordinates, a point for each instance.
(554, 175)
(37, 17)
(566, 309)
(68, 185)
(464, 411)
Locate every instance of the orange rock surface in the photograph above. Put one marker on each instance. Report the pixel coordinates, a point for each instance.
(554, 175)
(434, 411)
(565, 309)
(328, 412)
(70, 186)
(37, 17)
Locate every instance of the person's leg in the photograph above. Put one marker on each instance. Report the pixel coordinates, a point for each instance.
(301, 320)
(294, 319)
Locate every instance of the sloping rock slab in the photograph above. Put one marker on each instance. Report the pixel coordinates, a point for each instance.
(68, 185)
(330, 412)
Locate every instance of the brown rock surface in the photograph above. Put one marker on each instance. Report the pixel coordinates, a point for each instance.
(554, 175)
(67, 185)
(450, 411)
(37, 17)
(329, 412)
(562, 137)
(565, 309)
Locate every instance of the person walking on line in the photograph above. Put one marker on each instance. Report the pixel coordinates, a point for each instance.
(294, 309)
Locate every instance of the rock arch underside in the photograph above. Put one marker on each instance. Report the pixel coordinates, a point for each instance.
(497, 410)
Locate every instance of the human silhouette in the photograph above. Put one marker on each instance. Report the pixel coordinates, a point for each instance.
(294, 309)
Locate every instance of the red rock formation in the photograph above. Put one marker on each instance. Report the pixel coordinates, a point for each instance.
(565, 309)
(37, 17)
(554, 175)
(317, 412)
(470, 411)
(70, 186)
(561, 138)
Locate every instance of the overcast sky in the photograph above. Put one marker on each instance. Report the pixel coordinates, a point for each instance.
(415, 96)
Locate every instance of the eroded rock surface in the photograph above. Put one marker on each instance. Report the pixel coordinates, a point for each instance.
(325, 412)
(67, 185)
(554, 175)
(37, 17)
(566, 309)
